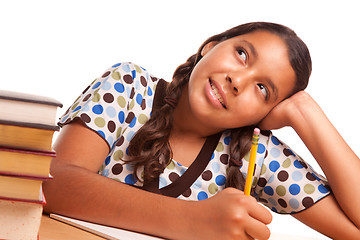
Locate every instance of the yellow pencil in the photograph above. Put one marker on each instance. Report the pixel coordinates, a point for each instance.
(250, 172)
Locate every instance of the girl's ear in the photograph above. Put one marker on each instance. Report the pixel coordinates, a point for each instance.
(208, 47)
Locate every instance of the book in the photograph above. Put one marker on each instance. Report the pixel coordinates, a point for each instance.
(25, 162)
(27, 108)
(102, 230)
(26, 136)
(22, 188)
(20, 219)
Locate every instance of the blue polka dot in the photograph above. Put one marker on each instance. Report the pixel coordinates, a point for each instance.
(271, 179)
(107, 160)
(116, 65)
(220, 180)
(274, 209)
(97, 109)
(202, 195)
(150, 103)
(77, 108)
(212, 156)
(130, 179)
(268, 190)
(182, 171)
(274, 166)
(261, 148)
(227, 140)
(86, 108)
(149, 91)
(294, 189)
(133, 74)
(129, 167)
(133, 122)
(215, 167)
(323, 189)
(297, 164)
(139, 98)
(272, 201)
(197, 184)
(105, 172)
(101, 133)
(297, 176)
(110, 140)
(96, 85)
(294, 203)
(119, 87)
(121, 117)
(110, 111)
(274, 140)
(275, 152)
(130, 135)
(126, 68)
(162, 182)
(106, 86)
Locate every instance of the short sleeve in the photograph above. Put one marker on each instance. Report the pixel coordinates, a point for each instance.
(287, 184)
(121, 98)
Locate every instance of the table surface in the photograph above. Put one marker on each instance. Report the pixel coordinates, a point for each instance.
(51, 229)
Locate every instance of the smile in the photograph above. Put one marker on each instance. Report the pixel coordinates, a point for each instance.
(217, 94)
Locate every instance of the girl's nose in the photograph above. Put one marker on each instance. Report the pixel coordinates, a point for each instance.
(237, 82)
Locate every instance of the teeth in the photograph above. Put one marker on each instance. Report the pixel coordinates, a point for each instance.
(217, 94)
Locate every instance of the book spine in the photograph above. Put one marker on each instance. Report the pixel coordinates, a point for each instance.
(31, 125)
(28, 151)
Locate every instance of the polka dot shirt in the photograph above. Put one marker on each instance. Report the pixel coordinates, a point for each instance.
(118, 103)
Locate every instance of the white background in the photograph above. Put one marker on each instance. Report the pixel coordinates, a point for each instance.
(56, 48)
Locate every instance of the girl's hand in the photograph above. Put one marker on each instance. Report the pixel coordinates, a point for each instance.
(232, 215)
(287, 111)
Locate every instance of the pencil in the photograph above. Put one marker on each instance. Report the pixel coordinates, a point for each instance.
(250, 172)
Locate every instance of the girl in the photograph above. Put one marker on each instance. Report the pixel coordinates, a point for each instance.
(190, 139)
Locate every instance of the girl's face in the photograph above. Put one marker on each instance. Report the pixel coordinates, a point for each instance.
(240, 80)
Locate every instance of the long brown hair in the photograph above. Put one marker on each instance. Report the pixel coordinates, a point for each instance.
(150, 145)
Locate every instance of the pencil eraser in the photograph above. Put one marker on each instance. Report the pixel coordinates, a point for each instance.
(256, 131)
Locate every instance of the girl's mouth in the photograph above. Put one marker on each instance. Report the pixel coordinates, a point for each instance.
(217, 94)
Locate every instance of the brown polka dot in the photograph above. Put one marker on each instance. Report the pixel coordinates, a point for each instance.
(173, 176)
(111, 126)
(282, 202)
(117, 169)
(120, 141)
(87, 88)
(287, 152)
(108, 97)
(106, 74)
(143, 104)
(283, 175)
(262, 182)
(263, 200)
(310, 177)
(303, 164)
(86, 97)
(143, 81)
(187, 193)
(207, 175)
(132, 94)
(129, 117)
(266, 153)
(307, 202)
(128, 79)
(154, 79)
(224, 159)
(85, 117)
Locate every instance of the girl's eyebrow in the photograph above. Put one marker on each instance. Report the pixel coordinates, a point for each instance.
(250, 46)
(273, 87)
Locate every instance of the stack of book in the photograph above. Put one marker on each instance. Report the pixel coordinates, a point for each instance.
(27, 126)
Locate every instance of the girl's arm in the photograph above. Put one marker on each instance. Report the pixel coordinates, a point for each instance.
(78, 191)
(339, 163)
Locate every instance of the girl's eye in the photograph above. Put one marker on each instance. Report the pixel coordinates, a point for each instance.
(242, 55)
(263, 90)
